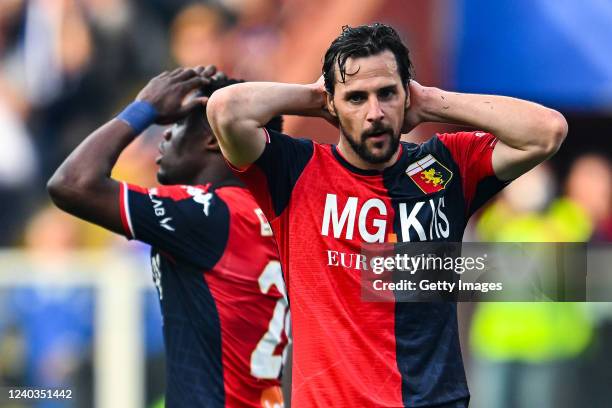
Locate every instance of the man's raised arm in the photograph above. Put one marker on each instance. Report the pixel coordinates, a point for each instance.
(82, 185)
(529, 133)
(238, 113)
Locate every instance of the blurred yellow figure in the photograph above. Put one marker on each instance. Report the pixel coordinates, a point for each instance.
(54, 233)
(522, 348)
(196, 36)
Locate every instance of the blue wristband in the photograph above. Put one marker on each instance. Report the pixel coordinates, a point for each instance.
(139, 115)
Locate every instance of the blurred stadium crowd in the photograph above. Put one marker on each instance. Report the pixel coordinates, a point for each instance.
(67, 66)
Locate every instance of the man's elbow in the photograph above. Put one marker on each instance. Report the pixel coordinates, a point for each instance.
(58, 190)
(64, 191)
(218, 109)
(554, 133)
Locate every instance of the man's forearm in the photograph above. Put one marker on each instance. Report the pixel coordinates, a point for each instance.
(96, 156)
(519, 124)
(82, 185)
(89, 166)
(238, 113)
(261, 101)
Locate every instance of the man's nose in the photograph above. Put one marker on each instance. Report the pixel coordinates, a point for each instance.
(375, 112)
(167, 134)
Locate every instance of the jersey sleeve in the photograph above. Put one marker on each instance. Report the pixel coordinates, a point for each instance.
(273, 175)
(184, 222)
(472, 152)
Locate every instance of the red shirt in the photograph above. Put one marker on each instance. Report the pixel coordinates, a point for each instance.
(221, 289)
(349, 352)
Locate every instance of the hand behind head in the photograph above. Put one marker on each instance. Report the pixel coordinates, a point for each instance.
(167, 92)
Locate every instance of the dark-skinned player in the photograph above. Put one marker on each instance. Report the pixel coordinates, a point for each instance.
(214, 259)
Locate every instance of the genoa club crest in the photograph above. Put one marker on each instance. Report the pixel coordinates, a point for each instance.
(429, 174)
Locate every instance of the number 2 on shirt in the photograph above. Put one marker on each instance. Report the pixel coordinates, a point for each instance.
(264, 364)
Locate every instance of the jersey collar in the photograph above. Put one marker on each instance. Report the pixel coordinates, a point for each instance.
(368, 172)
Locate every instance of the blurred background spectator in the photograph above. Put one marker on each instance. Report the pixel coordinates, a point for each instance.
(527, 352)
(67, 66)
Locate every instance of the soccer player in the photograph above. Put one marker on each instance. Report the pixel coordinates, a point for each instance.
(326, 201)
(215, 263)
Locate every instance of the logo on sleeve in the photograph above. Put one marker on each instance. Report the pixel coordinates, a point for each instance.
(200, 197)
(165, 224)
(159, 210)
(429, 174)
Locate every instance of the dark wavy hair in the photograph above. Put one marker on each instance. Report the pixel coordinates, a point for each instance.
(364, 41)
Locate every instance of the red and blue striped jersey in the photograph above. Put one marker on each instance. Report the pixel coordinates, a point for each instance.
(221, 289)
(349, 352)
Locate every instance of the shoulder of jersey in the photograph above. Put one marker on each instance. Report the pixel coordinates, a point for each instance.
(201, 196)
(237, 197)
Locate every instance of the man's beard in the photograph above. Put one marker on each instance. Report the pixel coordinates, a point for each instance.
(361, 149)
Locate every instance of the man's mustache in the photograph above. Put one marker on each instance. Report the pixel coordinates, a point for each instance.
(376, 130)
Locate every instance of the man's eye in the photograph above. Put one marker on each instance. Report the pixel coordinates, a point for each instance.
(356, 98)
(386, 93)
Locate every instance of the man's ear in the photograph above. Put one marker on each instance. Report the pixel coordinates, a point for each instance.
(211, 144)
(331, 106)
(407, 104)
